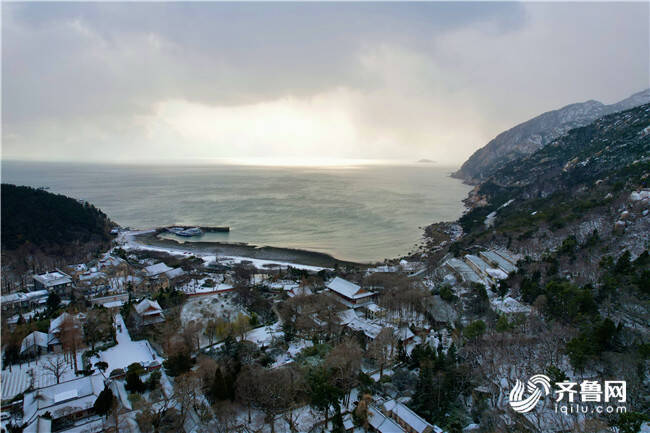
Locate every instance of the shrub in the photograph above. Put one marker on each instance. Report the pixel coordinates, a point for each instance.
(474, 330)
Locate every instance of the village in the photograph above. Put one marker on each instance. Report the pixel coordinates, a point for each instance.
(145, 339)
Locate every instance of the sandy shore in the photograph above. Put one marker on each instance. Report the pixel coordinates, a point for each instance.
(303, 257)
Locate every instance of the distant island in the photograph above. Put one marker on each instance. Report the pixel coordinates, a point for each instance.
(426, 161)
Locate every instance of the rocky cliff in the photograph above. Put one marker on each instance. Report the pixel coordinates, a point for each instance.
(530, 136)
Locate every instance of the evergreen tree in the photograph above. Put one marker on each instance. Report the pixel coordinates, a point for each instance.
(104, 402)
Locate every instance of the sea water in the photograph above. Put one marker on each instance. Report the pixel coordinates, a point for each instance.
(361, 212)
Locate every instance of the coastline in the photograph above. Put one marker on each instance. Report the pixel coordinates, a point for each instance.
(243, 250)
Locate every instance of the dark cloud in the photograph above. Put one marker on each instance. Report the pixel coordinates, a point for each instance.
(404, 74)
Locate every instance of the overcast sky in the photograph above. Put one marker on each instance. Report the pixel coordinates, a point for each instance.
(302, 81)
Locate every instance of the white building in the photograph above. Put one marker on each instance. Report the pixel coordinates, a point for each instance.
(53, 281)
(157, 269)
(35, 343)
(64, 402)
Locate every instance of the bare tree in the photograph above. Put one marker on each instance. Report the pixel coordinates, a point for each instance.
(381, 349)
(186, 389)
(211, 331)
(225, 413)
(345, 362)
(191, 334)
(71, 337)
(276, 391)
(56, 367)
(246, 388)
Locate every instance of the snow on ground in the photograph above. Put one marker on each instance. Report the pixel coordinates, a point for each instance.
(264, 336)
(19, 378)
(204, 308)
(375, 376)
(127, 351)
(128, 242)
(509, 305)
(294, 348)
(201, 285)
(304, 418)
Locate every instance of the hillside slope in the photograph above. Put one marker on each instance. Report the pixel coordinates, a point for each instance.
(532, 135)
(36, 223)
(590, 176)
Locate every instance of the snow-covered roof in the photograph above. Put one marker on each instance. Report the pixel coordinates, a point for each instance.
(22, 297)
(113, 304)
(33, 375)
(55, 325)
(64, 398)
(464, 270)
(381, 422)
(51, 279)
(109, 260)
(409, 417)
(147, 304)
(502, 263)
(496, 273)
(506, 255)
(368, 328)
(36, 338)
(509, 305)
(176, 272)
(348, 289)
(88, 276)
(477, 262)
(156, 269)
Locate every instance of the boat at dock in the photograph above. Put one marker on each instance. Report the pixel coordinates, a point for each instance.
(189, 232)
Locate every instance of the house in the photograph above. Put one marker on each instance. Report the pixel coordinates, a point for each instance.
(477, 264)
(407, 419)
(157, 269)
(299, 290)
(57, 281)
(114, 301)
(381, 423)
(463, 271)
(62, 404)
(34, 344)
(148, 312)
(349, 293)
(374, 311)
(494, 258)
(19, 301)
(175, 273)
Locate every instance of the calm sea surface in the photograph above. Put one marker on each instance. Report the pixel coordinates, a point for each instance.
(363, 213)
